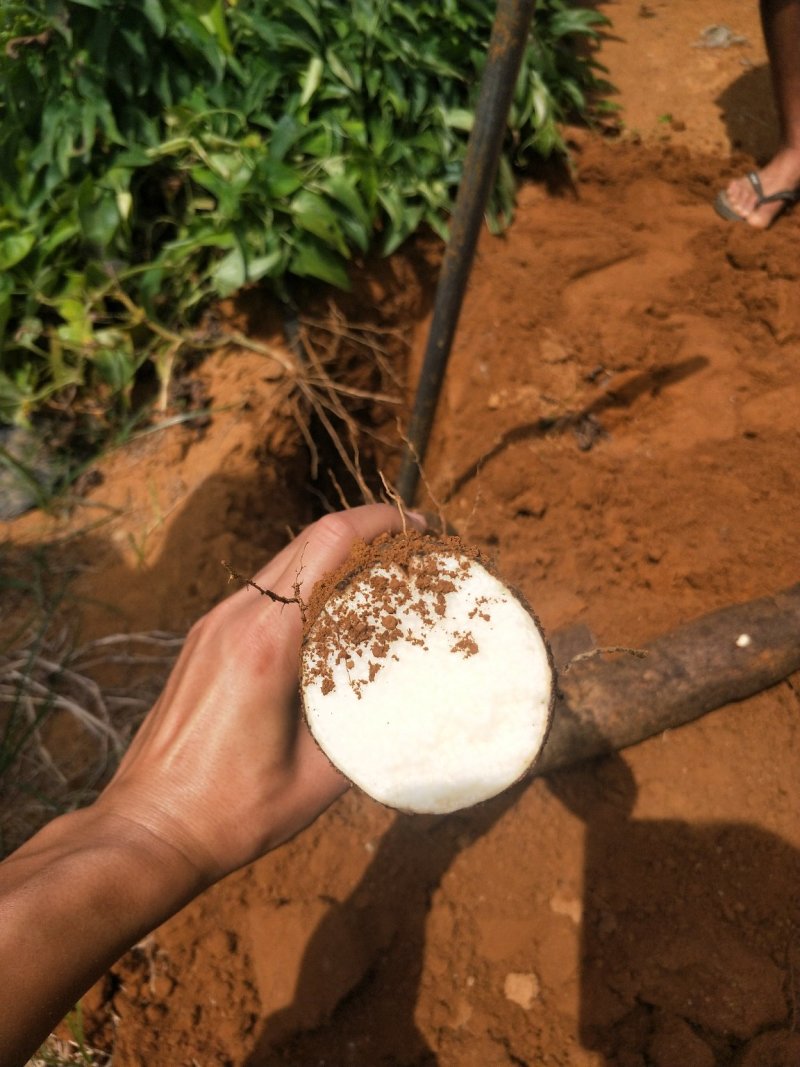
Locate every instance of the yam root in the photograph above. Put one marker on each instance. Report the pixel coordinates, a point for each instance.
(606, 704)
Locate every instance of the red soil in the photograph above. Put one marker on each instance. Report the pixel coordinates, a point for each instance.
(644, 910)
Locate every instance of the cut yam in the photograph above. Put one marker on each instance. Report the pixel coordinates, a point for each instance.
(425, 680)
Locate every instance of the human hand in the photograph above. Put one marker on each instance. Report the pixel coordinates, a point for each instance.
(224, 768)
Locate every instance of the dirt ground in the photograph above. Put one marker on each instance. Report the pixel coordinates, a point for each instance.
(643, 911)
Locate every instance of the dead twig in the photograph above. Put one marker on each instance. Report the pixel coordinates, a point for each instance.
(640, 653)
(396, 499)
(15, 43)
(248, 582)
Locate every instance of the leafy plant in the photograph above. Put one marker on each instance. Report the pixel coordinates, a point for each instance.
(158, 154)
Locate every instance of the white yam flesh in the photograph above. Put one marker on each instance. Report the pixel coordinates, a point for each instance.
(454, 707)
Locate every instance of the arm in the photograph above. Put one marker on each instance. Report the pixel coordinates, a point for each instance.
(221, 770)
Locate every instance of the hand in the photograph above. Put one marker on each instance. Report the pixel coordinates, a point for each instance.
(224, 768)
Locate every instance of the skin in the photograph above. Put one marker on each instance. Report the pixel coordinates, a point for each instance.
(222, 770)
(780, 20)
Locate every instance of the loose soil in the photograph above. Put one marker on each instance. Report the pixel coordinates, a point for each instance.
(619, 430)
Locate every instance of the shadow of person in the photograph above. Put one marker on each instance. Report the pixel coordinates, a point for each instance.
(357, 989)
(242, 517)
(748, 111)
(690, 932)
(354, 999)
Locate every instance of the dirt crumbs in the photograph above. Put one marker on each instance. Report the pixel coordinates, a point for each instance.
(386, 591)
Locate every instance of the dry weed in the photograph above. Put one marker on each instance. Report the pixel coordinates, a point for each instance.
(59, 1052)
(334, 370)
(66, 715)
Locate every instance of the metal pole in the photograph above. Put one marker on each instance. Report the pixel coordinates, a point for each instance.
(509, 36)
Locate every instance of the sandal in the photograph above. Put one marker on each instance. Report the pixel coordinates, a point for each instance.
(724, 209)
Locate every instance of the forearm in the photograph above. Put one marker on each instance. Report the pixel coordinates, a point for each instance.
(72, 900)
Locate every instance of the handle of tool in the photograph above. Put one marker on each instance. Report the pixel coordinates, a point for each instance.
(506, 46)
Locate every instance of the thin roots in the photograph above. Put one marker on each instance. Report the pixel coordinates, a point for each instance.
(320, 355)
(48, 690)
(234, 576)
(437, 503)
(325, 399)
(397, 500)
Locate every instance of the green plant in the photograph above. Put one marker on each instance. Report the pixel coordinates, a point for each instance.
(158, 154)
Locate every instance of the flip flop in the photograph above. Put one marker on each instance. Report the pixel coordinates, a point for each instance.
(724, 209)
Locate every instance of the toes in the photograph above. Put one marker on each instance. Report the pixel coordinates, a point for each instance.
(760, 219)
(740, 197)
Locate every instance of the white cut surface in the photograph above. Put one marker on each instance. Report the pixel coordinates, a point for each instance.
(445, 723)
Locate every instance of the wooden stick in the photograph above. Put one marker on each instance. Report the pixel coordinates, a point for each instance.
(608, 704)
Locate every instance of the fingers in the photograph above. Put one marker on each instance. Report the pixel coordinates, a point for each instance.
(318, 780)
(266, 635)
(327, 542)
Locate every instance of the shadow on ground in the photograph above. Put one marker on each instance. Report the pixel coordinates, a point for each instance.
(387, 915)
(748, 111)
(687, 935)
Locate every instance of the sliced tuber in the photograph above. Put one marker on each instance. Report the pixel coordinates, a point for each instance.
(425, 680)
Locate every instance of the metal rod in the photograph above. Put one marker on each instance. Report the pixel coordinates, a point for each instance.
(509, 36)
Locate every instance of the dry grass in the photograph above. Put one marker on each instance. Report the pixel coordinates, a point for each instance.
(59, 1052)
(66, 716)
(339, 375)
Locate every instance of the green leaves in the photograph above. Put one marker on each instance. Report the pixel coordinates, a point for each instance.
(158, 154)
(312, 259)
(14, 247)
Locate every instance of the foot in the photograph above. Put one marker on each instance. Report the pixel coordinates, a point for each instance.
(781, 173)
